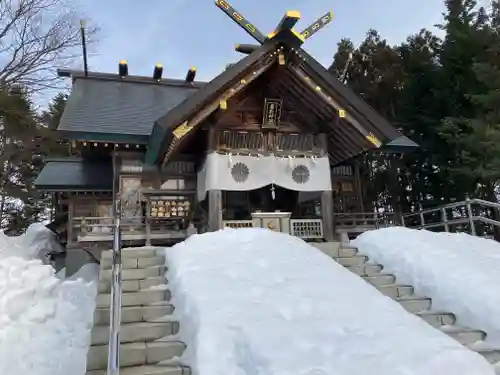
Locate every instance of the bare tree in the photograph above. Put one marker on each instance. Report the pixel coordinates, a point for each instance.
(35, 37)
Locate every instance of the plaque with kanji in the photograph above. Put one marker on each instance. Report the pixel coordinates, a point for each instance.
(272, 113)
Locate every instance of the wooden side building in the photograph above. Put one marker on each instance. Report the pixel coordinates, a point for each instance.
(268, 142)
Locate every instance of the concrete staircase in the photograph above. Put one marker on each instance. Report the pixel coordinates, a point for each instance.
(421, 306)
(147, 333)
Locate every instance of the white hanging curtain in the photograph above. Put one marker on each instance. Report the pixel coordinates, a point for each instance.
(244, 172)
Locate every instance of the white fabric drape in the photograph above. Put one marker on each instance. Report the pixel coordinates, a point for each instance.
(218, 173)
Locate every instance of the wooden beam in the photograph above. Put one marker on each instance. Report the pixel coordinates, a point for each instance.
(214, 210)
(311, 114)
(288, 21)
(240, 20)
(317, 25)
(321, 93)
(348, 136)
(246, 49)
(327, 215)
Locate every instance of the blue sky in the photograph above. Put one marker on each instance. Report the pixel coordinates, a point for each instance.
(184, 33)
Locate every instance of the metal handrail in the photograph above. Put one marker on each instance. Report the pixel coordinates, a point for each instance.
(113, 367)
(445, 222)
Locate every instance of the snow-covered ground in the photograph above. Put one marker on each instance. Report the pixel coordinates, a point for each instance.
(252, 301)
(44, 322)
(460, 272)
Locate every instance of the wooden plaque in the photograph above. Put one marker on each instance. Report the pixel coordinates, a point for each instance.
(272, 113)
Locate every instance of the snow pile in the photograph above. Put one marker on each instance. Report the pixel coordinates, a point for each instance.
(35, 243)
(44, 322)
(252, 301)
(460, 272)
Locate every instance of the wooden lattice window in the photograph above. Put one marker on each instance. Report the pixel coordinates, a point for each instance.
(298, 142)
(233, 140)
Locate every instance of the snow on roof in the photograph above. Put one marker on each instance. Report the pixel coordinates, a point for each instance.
(461, 273)
(252, 301)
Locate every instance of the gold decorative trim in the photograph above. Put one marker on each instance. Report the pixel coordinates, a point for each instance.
(374, 140)
(281, 59)
(181, 130)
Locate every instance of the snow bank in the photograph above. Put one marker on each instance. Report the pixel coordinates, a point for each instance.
(35, 243)
(460, 272)
(44, 322)
(252, 301)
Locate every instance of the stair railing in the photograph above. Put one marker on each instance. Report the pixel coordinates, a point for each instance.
(454, 214)
(113, 367)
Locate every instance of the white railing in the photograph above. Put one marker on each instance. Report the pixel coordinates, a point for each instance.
(303, 228)
(307, 229)
(238, 224)
(456, 216)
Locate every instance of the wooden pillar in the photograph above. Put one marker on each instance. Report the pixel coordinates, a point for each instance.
(147, 221)
(327, 215)
(214, 210)
(357, 186)
(69, 229)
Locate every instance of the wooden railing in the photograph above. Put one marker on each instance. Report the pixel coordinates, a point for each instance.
(139, 228)
(364, 220)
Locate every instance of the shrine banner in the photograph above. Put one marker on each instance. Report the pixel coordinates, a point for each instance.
(245, 172)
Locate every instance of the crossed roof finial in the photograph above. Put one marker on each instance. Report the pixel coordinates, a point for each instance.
(286, 25)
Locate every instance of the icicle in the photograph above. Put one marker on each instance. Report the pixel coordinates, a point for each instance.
(230, 160)
(290, 162)
(273, 194)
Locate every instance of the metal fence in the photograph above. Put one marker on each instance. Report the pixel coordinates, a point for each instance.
(475, 216)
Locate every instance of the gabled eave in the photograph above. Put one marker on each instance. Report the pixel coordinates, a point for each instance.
(349, 101)
(162, 139)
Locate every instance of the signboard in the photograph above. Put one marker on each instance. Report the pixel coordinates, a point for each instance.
(272, 113)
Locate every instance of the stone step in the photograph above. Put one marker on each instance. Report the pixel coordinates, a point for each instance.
(148, 370)
(134, 314)
(357, 260)
(132, 252)
(133, 263)
(135, 332)
(464, 335)
(381, 279)
(143, 297)
(415, 304)
(135, 274)
(366, 269)
(492, 355)
(132, 285)
(436, 318)
(334, 249)
(395, 290)
(135, 354)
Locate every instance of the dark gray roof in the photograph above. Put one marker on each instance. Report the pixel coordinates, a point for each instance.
(119, 107)
(75, 175)
(399, 145)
